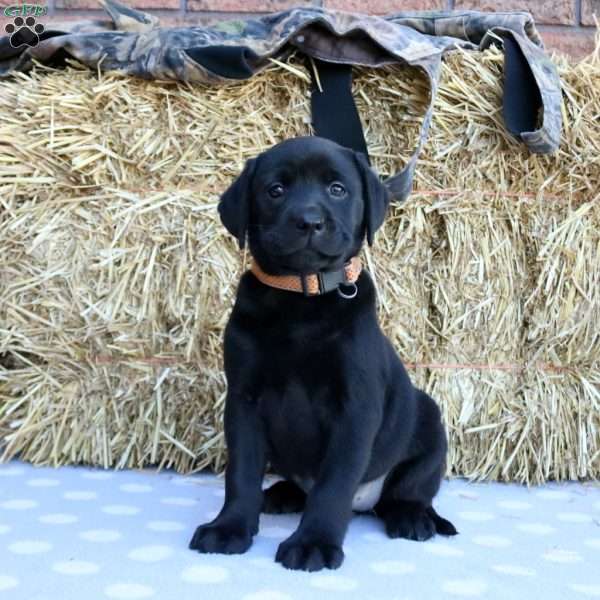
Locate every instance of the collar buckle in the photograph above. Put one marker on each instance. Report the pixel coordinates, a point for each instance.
(331, 280)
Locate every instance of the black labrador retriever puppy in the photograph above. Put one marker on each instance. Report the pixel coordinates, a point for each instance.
(314, 387)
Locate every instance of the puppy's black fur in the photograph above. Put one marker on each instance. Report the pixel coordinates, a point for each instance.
(314, 387)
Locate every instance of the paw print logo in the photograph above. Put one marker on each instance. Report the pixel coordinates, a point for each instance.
(24, 32)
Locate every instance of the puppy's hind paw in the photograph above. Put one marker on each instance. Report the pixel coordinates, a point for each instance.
(442, 526)
(409, 520)
(221, 539)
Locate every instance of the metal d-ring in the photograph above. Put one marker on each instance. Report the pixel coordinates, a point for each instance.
(352, 294)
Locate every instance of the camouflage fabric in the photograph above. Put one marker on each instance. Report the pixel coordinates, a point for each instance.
(133, 42)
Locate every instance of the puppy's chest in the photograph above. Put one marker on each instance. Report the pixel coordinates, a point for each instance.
(297, 418)
(297, 408)
(300, 392)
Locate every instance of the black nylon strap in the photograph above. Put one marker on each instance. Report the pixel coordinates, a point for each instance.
(522, 100)
(334, 114)
(233, 62)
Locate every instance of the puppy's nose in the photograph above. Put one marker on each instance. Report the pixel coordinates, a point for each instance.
(310, 220)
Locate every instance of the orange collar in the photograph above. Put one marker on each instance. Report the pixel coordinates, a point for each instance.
(315, 284)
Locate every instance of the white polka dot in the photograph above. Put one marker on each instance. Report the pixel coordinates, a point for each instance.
(100, 535)
(7, 582)
(392, 567)
(586, 590)
(120, 510)
(593, 543)
(4, 529)
(274, 532)
(41, 482)
(75, 567)
(165, 526)
(561, 556)
(179, 501)
(30, 547)
(333, 583)
(128, 591)
(491, 541)
(573, 517)
(263, 562)
(150, 553)
(553, 495)
(514, 570)
(97, 475)
(514, 505)
(58, 519)
(465, 587)
(19, 504)
(474, 515)
(135, 488)
(181, 480)
(205, 574)
(80, 495)
(267, 595)
(442, 549)
(10, 471)
(536, 528)
(220, 493)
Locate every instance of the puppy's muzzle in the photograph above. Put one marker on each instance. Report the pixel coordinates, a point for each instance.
(310, 221)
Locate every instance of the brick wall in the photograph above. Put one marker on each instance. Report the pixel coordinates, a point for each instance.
(567, 25)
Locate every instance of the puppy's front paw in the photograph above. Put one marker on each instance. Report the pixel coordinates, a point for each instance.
(298, 552)
(222, 539)
(409, 520)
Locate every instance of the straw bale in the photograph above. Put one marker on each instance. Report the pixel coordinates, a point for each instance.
(559, 414)
(477, 281)
(116, 278)
(560, 399)
(564, 304)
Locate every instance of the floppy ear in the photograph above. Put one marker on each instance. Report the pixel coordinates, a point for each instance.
(376, 197)
(234, 204)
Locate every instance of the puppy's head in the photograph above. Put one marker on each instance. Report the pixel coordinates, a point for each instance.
(306, 205)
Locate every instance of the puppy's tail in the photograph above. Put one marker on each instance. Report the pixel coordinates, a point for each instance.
(442, 526)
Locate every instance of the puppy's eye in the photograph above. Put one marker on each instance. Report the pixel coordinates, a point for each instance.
(275, 191)
(337, 189)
